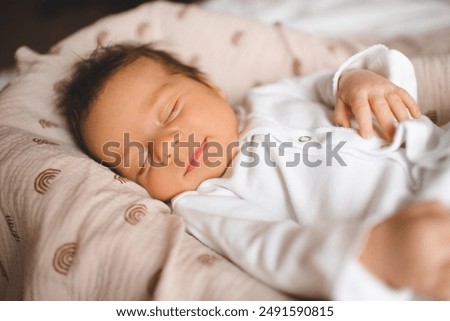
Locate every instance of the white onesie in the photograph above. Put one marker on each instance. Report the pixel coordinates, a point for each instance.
(296, 205)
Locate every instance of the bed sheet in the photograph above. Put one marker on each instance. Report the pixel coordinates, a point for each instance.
(344, 18)
(413, 26)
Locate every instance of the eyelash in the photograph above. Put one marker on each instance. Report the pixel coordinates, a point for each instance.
(141, 170)
(173, 113)
(147, 161)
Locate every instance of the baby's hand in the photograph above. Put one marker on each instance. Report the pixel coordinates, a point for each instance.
(411, 250)
(362, 92)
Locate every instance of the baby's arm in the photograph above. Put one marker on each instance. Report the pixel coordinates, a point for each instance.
(363, 92)
(307, 260)
(411, 250)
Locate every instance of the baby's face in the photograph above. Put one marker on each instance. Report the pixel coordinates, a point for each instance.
(166, 132)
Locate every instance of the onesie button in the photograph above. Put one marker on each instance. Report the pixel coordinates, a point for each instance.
(304, 139)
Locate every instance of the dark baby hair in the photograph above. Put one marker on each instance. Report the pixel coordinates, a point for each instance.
(89, 76)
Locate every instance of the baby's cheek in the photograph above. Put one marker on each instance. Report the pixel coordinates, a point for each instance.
(161, 185)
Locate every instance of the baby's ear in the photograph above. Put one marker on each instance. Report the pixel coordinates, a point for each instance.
(214, 87)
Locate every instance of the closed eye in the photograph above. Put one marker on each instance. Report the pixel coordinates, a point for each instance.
(174, 111)
(143, 167)
(141, 171)
(148, 160)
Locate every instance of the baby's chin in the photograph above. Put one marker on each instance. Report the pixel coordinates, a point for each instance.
(169, 193)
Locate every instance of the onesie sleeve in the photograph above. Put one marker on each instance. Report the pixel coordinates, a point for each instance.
(386, 62)
(307, 261)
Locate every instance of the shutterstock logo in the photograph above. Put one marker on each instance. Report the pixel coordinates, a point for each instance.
(212, 153)
(304, 157)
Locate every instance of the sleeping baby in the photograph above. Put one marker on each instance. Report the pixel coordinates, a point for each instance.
(327, 186)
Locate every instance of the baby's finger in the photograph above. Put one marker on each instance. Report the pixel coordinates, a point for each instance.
(384, 116)
(409, 102)
(363, 116)
(397, 107)
(341, 114)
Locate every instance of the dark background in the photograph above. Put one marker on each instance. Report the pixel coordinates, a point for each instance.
(39, 24)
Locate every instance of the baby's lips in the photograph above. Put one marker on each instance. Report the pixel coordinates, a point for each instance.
(194, 160)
